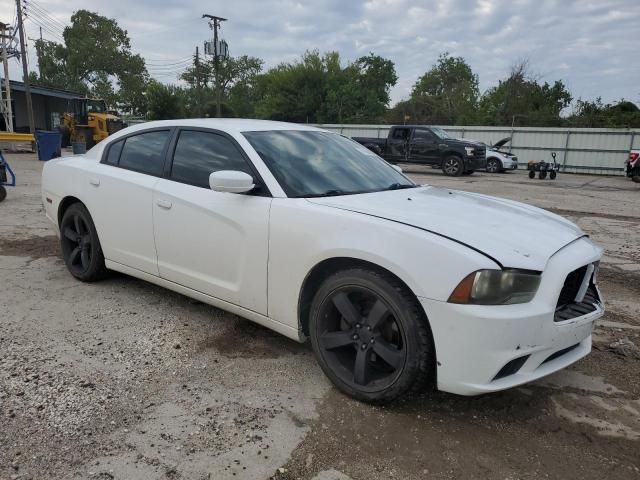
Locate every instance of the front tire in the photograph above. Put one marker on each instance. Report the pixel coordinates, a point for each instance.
(453, 166)
(494, 165)
(3, 193)
(370, 335)
(81, 248)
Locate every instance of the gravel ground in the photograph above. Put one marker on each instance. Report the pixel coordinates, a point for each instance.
(121, 379)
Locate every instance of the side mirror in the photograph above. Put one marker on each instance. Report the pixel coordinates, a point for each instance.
(397, 168)
(231, 181)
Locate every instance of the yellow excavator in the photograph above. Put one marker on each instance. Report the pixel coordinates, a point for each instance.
(87, 120)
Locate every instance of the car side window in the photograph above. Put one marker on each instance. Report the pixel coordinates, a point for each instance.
(113, 155)
(145, 152)
(198, 154)
(400, 133)
(423, 135)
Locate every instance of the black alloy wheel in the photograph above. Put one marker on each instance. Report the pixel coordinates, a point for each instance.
(452, 166)
(80, 245)
(371, 341)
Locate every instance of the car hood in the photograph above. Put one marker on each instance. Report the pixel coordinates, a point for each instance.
(513, 234)
(500, 143)
(463, 142)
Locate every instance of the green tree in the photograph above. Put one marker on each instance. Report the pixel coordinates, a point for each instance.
(595, 114)
(446, 94)
(96, 51)
(232, 72)
(164, 102)
(522, 100)
(317, 88)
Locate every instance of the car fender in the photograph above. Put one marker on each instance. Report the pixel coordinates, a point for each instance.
(302, 235)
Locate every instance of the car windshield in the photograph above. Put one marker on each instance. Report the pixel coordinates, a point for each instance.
(440, 133)
(316, 164)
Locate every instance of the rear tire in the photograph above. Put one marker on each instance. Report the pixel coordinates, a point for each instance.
(453, 166)
(532, 174)
(3, 193)
(80, 244)
(636, 179)
(552, 174)
(542, 175)
(370, 336)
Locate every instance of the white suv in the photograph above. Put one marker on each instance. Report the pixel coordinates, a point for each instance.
(499, 161)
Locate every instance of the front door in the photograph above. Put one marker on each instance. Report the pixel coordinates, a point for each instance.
(424, 147)
(212, 242)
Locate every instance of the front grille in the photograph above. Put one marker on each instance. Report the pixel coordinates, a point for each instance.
(567, 308)
(479, 154)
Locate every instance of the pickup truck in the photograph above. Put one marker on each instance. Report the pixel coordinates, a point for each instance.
(429, 146)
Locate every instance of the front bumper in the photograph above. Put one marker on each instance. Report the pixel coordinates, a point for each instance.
(475, 343)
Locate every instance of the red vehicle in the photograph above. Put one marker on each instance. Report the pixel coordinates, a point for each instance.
(633, 165)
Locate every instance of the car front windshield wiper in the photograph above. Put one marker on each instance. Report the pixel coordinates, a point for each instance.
(400, 186)
(328, 193)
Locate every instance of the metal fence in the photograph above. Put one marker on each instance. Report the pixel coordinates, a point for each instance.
(600, 151)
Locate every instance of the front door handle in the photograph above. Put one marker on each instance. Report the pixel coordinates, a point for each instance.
(164, 204)
(95, 182)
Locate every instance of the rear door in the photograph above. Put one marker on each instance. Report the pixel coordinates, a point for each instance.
(213, 242)
(398, 144)
(424, 147)
(121, 202)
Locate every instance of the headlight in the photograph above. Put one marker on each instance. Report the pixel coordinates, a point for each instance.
(469, 151)
(496, 287)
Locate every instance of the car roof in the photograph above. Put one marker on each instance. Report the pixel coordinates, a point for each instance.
(230, 125)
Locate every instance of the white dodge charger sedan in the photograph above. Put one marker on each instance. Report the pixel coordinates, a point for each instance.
(398, 286)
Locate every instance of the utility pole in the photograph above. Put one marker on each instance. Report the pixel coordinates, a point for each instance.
(214, 23)
(198, 93)
(25, 70)
(5, 100)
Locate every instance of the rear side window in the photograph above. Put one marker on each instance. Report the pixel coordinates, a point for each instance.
(198, 154)
(145, 152)
(113, 155)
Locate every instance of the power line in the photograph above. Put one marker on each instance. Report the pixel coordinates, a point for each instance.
(44, 12)
(154, 64)
(41, 21)
(46, 27)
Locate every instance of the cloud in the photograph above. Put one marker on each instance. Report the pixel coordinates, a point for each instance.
(588, 44)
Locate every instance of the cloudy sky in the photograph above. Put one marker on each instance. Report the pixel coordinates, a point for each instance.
(592, 45)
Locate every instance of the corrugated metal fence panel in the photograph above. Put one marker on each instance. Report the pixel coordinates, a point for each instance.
(580, 150)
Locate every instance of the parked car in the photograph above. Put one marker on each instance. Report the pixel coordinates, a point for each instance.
(308, 233)
(429, 146)
(632, 165)
(498, 160)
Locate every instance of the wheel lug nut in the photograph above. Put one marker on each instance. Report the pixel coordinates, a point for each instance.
(369, 328)
(355, 337)
(358, 325)
(364, 346)
(373, 340)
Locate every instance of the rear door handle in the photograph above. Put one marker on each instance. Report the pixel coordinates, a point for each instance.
(95, 182)
(164, 204)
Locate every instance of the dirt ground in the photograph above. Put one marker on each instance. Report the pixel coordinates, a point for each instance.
(121, 379)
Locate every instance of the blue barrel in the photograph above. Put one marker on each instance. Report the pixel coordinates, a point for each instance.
(49, 144)
(79, 148)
